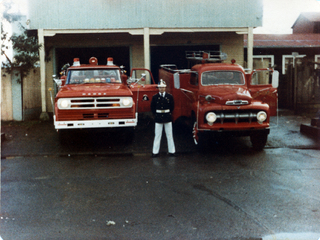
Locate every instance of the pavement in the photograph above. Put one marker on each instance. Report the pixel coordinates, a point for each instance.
(39, 138)
(232, 191)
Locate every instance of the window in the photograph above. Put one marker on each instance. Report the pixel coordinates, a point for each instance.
(80, 76)
(194, 79)
(288, 59)
(222, 77)
(261, 78)
(263, 61)
(143, 75)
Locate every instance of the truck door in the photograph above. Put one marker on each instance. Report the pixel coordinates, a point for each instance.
(143, 87)
(189, 93)
(263, 84)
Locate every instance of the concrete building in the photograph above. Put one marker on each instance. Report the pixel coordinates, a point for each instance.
(141, 33)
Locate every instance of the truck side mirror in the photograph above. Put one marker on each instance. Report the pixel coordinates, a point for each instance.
(129, 80)
(57, 81)
(143, 77)
(275, 79)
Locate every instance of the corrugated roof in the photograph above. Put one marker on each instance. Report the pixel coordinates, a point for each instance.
(285, 40)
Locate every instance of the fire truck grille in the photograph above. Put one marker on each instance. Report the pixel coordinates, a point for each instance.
(236, 117)
(97, 103)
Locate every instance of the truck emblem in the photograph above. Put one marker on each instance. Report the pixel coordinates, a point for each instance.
(145, 98)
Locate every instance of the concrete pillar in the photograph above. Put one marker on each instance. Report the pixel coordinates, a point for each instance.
(44, 115)
(16, 88)
(250, 49)
(146, 46)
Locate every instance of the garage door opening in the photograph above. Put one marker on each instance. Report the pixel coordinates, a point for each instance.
(120, 55)
(174, 55)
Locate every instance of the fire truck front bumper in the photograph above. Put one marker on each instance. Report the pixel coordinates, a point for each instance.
(109, 123)
(236, 133)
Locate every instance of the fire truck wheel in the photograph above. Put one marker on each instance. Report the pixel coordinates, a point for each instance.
(128, 135)
(258, 140)
(63, 136)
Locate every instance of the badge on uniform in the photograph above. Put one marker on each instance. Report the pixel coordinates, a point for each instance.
(145, 98)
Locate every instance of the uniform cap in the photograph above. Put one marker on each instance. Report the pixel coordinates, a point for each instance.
(162, 83)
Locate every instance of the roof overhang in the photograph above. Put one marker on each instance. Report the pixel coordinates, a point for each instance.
(140, 31)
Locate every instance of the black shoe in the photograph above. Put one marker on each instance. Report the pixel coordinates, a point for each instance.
(172, 154)
(154, 155)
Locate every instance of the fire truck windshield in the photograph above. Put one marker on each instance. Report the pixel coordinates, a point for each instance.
(222, 77)
(84, 76)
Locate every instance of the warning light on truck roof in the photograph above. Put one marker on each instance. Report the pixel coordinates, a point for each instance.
(93, 61)
(76, 62)
(110, 61)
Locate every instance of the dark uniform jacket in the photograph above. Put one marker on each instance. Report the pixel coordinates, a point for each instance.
(162, 108)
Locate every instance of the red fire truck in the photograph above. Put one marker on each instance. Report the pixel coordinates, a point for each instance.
(221, 98)
(93, 96)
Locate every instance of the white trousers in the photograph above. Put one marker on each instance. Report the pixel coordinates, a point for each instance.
(158, 134)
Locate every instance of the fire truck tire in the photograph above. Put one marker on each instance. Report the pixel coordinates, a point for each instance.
(258, 140)
(63, 136)
(199, 138)
(201, 143)
(128, 135)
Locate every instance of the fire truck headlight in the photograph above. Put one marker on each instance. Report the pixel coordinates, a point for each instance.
(63, 103)
(127, 102)
(261, 116)
(211, 117)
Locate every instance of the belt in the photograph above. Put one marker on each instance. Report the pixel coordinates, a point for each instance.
(163, 111)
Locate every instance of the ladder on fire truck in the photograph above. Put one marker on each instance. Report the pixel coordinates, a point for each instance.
(198, 56)
(206, 56)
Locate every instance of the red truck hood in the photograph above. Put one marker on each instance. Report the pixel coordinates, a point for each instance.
(221, 93)
(93, 90)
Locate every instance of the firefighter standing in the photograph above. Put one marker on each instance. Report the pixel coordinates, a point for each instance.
(162, 105)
